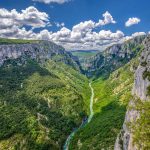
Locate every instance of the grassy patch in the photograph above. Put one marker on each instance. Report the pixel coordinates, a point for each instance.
(84, 54)
(16, 41)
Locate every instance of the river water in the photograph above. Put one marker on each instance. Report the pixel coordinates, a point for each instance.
(84, 122)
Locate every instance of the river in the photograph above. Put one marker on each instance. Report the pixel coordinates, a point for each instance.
(67, 143)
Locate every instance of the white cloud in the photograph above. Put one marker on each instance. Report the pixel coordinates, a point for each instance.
(107, 20)
(81, 36)
(83, 39)
(29, 17)
(84, 26)
(44, 35)
(13, 22)
(59, 25)
(132, 21)
(70, 39)
(15, 32)
(138, 34)
(52, 1)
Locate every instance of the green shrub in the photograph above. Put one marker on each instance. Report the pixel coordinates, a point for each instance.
(146, 74)
(144, 64)
(148, 90)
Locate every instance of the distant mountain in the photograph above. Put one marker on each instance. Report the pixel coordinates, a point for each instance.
(84, 56)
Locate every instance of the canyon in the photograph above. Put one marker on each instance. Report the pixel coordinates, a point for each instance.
(49, 89)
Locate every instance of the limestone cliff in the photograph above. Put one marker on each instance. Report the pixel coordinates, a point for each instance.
(142, 82)
(38, 50)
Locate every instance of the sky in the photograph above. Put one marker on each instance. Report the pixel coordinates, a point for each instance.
(75, 24)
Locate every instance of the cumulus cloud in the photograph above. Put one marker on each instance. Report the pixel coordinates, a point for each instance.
(107, 19)
(59, 25)
(70, 39)
(29, 17)
(138, 34)
(52, 1)
(13, 23)
(132, 21)
(84, 26)
(15, 32)
(82, 39)
(81, 36)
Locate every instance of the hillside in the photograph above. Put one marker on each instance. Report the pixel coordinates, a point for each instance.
(111, 98)
(112, 94)
(42, 96)
(39, 51)
(136, 128)
(16, 41)
(114, 57)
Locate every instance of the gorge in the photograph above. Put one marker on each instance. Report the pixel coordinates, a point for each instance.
(49, 90)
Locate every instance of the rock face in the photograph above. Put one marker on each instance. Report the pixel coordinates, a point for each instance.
(39, 51)
(140, 84)
(114, 57)
(125, 138)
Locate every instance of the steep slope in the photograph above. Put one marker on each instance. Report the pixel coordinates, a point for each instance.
(111, 98)
(37, 50)
(136, 128)
(112, 93)
(114, 57)
(42, 96)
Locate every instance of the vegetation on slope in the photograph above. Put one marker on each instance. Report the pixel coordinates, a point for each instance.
(111, 98)
(84, 53)
(16, 41)
(141, 127)
(114, 57)
(40, 105)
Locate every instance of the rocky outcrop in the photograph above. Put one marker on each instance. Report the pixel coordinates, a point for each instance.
(125, 138)
(40, 51)
(36, 50)
(114, 57)
(141, 84)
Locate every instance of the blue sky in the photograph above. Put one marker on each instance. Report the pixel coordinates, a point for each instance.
(68, 14)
